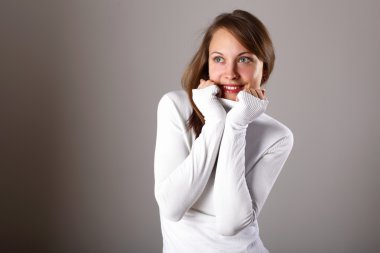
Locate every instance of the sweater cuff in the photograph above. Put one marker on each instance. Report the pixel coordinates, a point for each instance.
(205, 96)
(256, 105)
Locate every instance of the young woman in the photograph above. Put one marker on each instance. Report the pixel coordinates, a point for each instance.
(217, 152)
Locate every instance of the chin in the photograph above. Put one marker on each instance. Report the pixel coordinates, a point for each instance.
(230, 96)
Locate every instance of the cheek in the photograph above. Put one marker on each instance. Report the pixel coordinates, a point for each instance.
(251, 73)
(258, 73)
(214, 71)
(259, 70)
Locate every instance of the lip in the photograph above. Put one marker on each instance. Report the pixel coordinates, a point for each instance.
(232, 88)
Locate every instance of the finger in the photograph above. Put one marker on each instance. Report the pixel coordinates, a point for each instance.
(206, 83)
(252, 92)
(209, 82)
(263, 91)
(259, 93)
(201, 83)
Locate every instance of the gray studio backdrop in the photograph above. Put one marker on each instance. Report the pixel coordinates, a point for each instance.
(80, 83)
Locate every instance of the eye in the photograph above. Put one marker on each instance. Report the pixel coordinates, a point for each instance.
(218, 59)
(245, 59)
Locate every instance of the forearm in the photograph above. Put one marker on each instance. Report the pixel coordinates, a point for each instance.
(182, 174)
(233, 204)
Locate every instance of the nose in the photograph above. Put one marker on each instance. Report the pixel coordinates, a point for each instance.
(231, 72)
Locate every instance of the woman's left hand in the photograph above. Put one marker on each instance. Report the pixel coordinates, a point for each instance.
(250, 106)
(259, 93)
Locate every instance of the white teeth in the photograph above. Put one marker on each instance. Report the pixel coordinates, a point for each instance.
(231, 87)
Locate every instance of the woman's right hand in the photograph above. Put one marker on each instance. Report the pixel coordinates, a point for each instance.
(205, 83)
(205, 98)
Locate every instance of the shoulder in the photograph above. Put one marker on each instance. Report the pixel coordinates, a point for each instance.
(275, 126)
(175, 96)
(175, 102)
(272, 130)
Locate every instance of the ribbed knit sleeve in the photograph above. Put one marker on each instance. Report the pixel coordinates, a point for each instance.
(263, 175)
(182, 172)
(239, 197)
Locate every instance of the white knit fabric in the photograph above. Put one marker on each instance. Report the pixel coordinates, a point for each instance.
(211, 189)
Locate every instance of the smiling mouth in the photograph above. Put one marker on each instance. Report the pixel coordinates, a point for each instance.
(231, 88)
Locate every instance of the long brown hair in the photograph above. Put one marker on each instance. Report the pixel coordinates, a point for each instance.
(250, 32)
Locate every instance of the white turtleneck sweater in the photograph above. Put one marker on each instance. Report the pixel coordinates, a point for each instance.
(211, 189)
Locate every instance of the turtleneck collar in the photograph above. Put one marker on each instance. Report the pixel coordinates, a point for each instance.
(227, 104)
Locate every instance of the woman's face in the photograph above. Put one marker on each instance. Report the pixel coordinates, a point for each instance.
(231, 66)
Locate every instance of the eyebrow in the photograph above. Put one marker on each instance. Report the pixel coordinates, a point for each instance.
(216, 52)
